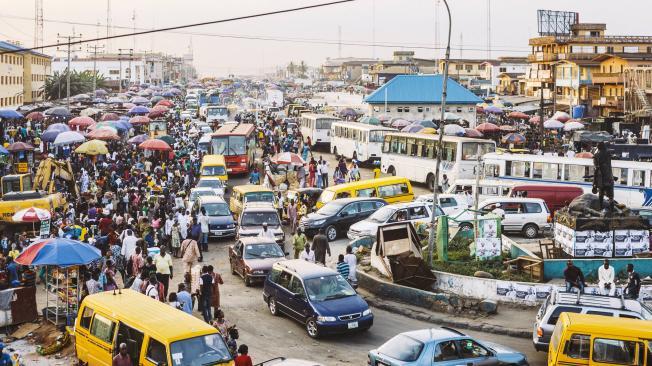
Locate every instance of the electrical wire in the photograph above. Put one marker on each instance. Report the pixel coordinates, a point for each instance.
(252, 16)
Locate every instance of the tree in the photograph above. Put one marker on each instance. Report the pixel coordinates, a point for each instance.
(291, 68)
(80, 83)
(303, 68)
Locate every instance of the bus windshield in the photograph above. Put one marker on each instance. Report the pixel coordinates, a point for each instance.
(216, 111)
(470, 149)
(204, 350)
(229, 145)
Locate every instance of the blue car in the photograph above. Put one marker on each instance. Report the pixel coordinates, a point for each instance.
(442, 347)
(317, 297)
(220, 219)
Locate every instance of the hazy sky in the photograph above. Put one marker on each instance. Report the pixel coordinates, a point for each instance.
(397, 23)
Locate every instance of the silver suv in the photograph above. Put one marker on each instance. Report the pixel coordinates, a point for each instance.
(571, 302)
(254, 214)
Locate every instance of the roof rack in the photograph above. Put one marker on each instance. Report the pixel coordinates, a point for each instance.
(453, 330)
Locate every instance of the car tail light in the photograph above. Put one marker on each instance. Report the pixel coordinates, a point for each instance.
(539, 332)
(549, 219)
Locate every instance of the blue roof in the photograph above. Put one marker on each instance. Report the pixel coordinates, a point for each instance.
(421, 89)
(6, 46)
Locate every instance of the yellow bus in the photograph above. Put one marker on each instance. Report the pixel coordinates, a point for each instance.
(391, 189)
(214, 166)
(582, 339)
(250, 193)
(149, 328)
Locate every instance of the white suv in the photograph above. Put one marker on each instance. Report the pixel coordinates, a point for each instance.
(418, 211)
(451, 204)
(529, 216)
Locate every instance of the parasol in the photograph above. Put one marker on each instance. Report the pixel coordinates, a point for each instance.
(471, 132)
(514, 138)
(155, 144)
(573, 125)
(35, 116)
(429, 131)
(10, 114)
(139, 109)
(553, 124)
(20, 146)
(32, 214)
(487, 127)
(535, 120)
(454, 130)
(165, 103)
(110, 117)
(92, 147)
(168, 139)
(413, 128)
(139, 120)
(103, 133)
(89, 112)
(507, 128)
(517, 115)
(58, 112)
(69, 138)
(138, 139)
(561, 116)
(59, 252)
(399, 123)
(287, 158)
(493, 110)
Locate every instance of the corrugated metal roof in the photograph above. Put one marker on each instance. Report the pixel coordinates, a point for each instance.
(6, 46)
(421, 89)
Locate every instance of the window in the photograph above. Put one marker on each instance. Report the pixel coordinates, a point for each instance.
(449, 151)
(420, 109)
(630, 49)
(296, 287)
(367, 192)
(614, 351)
(603, 313)
(578, 346)
(156, 352)
(531, 207)
(102, 328)
(406, 109)
(472, 349)
(502, 69)
(446, 351)
(392, 190)
(638, 178)
(367, 206)
(350, 210)
(555, 314)
(418, 212)
(402, 348)
(87, 315)
(470, 150)
(469, 68)
(284, 280)
(621, 174)
(428, 149)
(399, 109)
(447, 202)
(274, 275)
(459, 67)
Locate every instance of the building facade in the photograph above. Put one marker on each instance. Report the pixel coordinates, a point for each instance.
(22, 75)
(511, 66)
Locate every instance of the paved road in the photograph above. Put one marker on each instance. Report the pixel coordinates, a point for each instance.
(268, 336)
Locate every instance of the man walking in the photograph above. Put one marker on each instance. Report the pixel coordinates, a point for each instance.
(299, 241)
(352, 261)
(203, 221)
(189, 254)
(163, 262)
(324, 173)
(206, 293)
(320, 247)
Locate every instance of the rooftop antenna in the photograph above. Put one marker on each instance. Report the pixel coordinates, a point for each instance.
(38, 24)
(488, 29)
(437, 4)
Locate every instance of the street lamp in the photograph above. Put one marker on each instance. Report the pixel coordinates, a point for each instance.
(438, 148)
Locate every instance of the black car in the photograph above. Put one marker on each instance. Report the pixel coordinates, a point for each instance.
(336, 216)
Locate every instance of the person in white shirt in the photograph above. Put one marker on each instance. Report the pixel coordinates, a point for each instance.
(203, 222)
(606, 276)
(266, 233)
(183, 224)
(129, 244)
(324, 173)
(352, 261)
(307, 255)
(152, 287)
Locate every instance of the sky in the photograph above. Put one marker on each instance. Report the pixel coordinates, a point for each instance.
(310, 35)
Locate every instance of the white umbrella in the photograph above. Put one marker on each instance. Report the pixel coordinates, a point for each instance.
(89, 112)
(450, 116)
(454, 130)
(31, 214)
(553, 124)
(573, 125)
(68, 138)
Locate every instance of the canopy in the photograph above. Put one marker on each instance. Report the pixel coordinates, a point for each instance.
(138, 139)
(81, 121)
(514, 138)
(413, 128)
(507, 128)
(573, 125)
(110, 117)
(139, 120)
(454, 130)
(165, 103)
(58, 112)
(471, 132)
(493, 109)
(20, 146)
(155, 144)
(81, 97)
(553, 124)
(69, 138)
(50, 136)
(31, 214)
(35, 116)
(139, 100)
(487, 127)
(287, 158)
(10, 114)
(103, 133)
(427, 124)
(518, 115)
(58, 252)
(92, 147)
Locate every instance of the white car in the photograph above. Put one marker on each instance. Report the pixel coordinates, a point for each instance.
(530, 216)
(199, 192)
(451, 204)
(188, 114)
(418, 211)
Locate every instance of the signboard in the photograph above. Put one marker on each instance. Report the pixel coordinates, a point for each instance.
(45, 229)
(21, 167)
(488, 244)
(591, 243)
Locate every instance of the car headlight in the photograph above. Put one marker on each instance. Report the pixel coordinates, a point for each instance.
(325, 318)
(366, 312)
(230, 226)
(317, 223)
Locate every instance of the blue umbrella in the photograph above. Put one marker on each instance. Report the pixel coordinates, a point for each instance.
(124, 124)
(167, 94)
(58, 111)
(60, 252)
(139, 109)
(9, 114)
(4, 151)
(50, 135)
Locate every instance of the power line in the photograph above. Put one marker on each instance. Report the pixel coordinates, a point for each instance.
(276, 12)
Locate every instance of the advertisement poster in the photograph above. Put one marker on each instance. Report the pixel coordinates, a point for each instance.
(520, 291)
(488, 244)
(45, 229)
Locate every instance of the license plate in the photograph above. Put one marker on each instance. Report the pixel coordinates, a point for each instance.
(218, 233)
(352, 325)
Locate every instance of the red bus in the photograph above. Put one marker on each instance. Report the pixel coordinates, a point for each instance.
(238, 144)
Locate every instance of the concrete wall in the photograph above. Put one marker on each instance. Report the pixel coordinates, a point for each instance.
(554, 268)
(419, 112)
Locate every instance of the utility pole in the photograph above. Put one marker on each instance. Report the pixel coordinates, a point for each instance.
(108, 24)
(129, 53)
(69, 40)
(95, 48)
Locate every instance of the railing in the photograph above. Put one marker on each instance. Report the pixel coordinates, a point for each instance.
(607, 77)
(542, 57)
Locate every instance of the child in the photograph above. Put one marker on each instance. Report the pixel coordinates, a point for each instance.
(243, 359)
(342, 266)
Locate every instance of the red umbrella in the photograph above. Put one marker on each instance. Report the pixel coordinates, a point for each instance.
(160, 107)
(156, 114)
(20, 146)
(110, 117)
(487, 127)
(165, 103)
(103, 134)
(535, 120)
(32, 214)
(584, 154)
(35, 116)
(139, 120)
(155, 144)
(81, 121)
(288, 158)
(470, 132)
(518, 115)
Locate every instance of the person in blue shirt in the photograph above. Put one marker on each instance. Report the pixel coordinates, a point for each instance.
(184, 298)
(254, 178)
(5, 358)
(12, 270)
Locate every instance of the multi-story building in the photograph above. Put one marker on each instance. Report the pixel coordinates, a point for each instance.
(509, 67)
(562, 66)
(22, 75)
(469, 71)
(351, 69)
(402, 63)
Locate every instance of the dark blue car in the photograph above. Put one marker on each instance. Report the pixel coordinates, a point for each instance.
(317, 297)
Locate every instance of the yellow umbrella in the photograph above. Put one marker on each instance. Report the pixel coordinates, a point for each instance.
(429, 130)
(92, 147)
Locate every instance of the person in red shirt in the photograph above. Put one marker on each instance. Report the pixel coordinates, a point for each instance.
(243, 359)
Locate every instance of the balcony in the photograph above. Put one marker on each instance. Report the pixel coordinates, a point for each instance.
(607, 78)
(610, 102)
(542, 57)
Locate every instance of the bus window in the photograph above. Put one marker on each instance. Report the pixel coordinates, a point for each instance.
(574, 173)
(430, 149)
(386, 144)
(367, 192)
(638, 178)
(621, 174)
(614, 351)
(395, 146)
(376, 136)
(402, 146)
(449, 153)
(520, 169)
(470, 149)
(412, 147)
(491, 170)
(578, 346)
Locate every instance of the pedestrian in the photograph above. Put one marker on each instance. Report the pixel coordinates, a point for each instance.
(173, 301)
(175, 238)
(152, 289)
(189, 254)
(606, 276)
(342, 266)
(324, 173)
(445, 184)
(92, 284)
(573, 277)
(633, 287)
(320, 246)
(352, 261)
(204, 221)
(320, 181)
(109, 283)
(184, 298)
(299, 241)
(307, 254)
(243, 359)
(215, 294)
(206, 293)
(312, 168)
(266, 233)
(254, 178)
(292, 215)
(5, 358)
(164, 270)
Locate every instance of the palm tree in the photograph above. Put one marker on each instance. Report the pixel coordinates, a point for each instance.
(291, 68)
(80, 83)
(303, 68)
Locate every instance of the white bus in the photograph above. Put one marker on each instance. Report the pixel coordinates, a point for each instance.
(632, 185)
(412, 155)
(317, 127)
(358, 141)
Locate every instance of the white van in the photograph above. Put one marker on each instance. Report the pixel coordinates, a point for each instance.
(414, 212)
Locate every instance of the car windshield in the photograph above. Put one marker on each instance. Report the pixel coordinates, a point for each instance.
(200, 193)
(402, 348)
(259, 197)
(258, 251)
(329, 209)
(213, 170)
(382, 215)
(204, 350)
(217, 209)
(257, 218)
(210, 183)
(328, 288)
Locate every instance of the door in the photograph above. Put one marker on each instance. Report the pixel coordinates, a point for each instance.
(348, 215)
(283, 293)
(238, 261)
(100, 346)
(473, 353)
(298, 301)
(155, 353)
(132, 338)
(418, 214)
(447, 354)
(515, 216)
(367, 208)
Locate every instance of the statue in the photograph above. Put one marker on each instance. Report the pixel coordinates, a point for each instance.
(603, 180)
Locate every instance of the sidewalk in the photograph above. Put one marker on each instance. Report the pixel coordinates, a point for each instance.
(510, 320)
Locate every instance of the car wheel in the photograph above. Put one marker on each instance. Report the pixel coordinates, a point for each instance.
(430, 182)
(247, 281)
(530, 231)
(311, 328)
(331, 233)
(271, 304)
(466, 227)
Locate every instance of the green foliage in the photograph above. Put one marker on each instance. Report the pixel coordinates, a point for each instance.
(80, 83)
